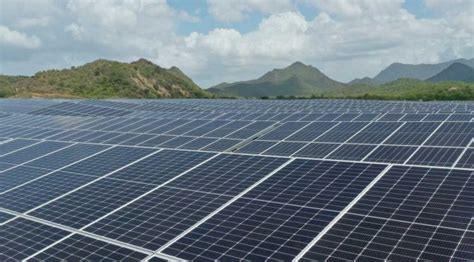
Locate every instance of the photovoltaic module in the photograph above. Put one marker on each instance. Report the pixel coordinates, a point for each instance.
(207, 180)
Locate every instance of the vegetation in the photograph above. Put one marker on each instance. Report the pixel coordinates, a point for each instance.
(297, 79)
(402, 89)
(305, 82)
(104, 79)
(143, 79)
(396, 71)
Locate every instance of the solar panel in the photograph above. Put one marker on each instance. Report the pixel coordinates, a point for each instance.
(428, 197)
(391, 154)
(66, 156)
(227, 174)
(108, 161)
(5, 217)
(190, 179)
(158, 217)
(316, 150)
(357, 237)
(412, 133)
(37, 192)
(16, 144)
(351, 152)
(435, 156)
(19, 175)
(256, 147)
(252, 230)
(467, 159)
(78, 248)
(161, 167)
(311, 131)
(284, 149)
(32, 152)
(22, 238)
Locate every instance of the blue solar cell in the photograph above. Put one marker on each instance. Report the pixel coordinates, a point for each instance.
(7, 147)
(227, 174)
(452, 134)
(82, 248)
(284, 149)
(283, 131)
(108, 161)
(5, 217)
(157, 217)
(391, 154)
(198, 143)
(221, 145)
(467, 159)
(357, 237)
(435, 156)
(32, 152)
(5, 166)
(375, 132)
(256, 147)
(19, 175)
(437, 197)
(351, 152)
(42, 190)
(21, 238)
(412, 133)
(317, 184)
(156, 141)
(252, 230)
(89, 203)
(66, 156)
(342, 132)
(177, 141)
(316, 150)
(161, 166)
(311, 131)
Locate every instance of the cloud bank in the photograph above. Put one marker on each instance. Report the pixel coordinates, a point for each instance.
(344, 38)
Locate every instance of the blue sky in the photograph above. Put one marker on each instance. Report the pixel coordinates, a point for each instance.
(215, 40)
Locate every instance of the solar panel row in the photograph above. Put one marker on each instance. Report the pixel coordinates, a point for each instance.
(232, 180)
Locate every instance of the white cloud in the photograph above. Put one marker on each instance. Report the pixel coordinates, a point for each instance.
(235, 10)
(346, 39)
(358, 8)
(17, 39)
(34, 22)
(75, 30)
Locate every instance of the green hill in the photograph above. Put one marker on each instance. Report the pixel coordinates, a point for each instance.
(104, 79)
(297, 79)
(455, 72)
(413, 89)
(420, 71)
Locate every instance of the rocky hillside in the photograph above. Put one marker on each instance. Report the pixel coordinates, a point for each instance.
(104, 79)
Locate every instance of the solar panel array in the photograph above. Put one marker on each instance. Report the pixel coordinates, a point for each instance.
(236, 180)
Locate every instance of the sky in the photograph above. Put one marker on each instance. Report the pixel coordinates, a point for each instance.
(218, 41)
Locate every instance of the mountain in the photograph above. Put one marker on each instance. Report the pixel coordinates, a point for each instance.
(420, 71)
(455, 72)
(104, 79)
(362, 81)
(297, 79)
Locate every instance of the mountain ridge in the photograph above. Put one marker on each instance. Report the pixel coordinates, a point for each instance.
(455, 72)
(416, 71)
(103, 78)
(297, 79)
